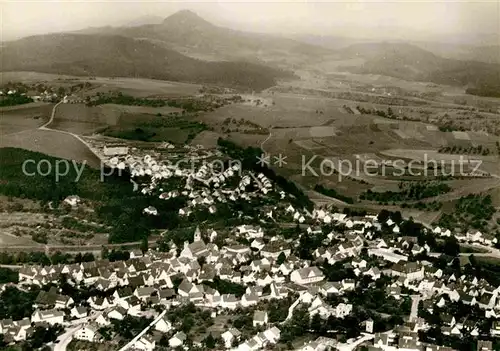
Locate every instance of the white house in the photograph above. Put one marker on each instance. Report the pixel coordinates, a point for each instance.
(78, 312)
(150, 210)
(48, 316)
(116, 150)
(273, 335)
(163, 325)
(177, 340)
(145, 343)
(307, 275)
(230, 336)
(259, 318)
(86, 333)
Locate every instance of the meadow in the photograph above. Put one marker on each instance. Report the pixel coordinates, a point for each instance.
(15, 119)
(53, 143)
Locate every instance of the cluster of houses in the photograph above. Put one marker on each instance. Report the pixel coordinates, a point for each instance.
(147, 280)
(472, 236)
(264, 264)
(204, 186)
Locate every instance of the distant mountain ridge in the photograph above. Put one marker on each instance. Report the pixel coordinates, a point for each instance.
(410, 62)
(187, 32)
(114, 55)
(144, 20)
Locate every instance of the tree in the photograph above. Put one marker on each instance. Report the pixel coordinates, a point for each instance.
(210, 342)
(88, 257)
(383, 216)
(144, 244)
(397, 217)
(316, 323)
(281, 259)
(451, 247)
(104, 252)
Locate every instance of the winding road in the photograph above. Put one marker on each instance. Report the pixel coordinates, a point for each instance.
(65, 339)
(268, 137)
(52, 116)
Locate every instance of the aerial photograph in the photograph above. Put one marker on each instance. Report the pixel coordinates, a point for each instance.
(250, 175)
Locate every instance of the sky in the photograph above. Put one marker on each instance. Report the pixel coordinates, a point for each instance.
(354, 18)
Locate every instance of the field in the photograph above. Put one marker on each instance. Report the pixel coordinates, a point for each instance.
(81, 119)
(207, 139)
(137, 87)
(286, 112)
(15, 119)
(52, 143)
(307, 125)
(325, 113)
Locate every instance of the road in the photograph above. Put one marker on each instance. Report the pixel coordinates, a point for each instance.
(415, 299)
(268, 137)
(354, 345)
(65, 339)
(133, 341)
(51, 116)
(490, 251)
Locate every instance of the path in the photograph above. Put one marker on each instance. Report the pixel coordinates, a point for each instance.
(73, 248)
(354, 345)
(134, 340)
(51, 116)
(415, 300)
(65, 339)
(268, 137)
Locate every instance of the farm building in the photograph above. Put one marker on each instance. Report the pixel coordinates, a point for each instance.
(115, 150)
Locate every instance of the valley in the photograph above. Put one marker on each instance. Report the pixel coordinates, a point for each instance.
(348, 121)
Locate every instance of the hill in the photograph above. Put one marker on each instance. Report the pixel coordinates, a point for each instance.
(187, 32)
(410, 62)
(113, 55)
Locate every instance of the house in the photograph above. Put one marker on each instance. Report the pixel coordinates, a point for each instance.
(103, 320)
(259, 318)
(72, 200)
(373, 272)
(272, 335)
(163, 325)
(117, 313)
(177, 340)
(230, 337)
(249, 300)
(145, 343)
(87, 333)
(115, 150)
(495, 328)
(78, 312)
(48, 316)
(250, 231)
(229, 301)
(145, 292)
(307, 275)
(484, 345)
(448, 320)
(150, 210)
(343, 310)
(194, 250)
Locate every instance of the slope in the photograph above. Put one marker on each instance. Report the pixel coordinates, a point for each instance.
(187, 32)
(410, 62)
(108, 55)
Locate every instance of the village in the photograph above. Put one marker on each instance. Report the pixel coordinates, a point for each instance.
(324, 280)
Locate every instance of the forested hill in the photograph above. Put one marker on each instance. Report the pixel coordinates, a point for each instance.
(410, 62)
(114, 55)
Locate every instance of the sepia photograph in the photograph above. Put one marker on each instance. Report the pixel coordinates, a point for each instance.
(250, 175)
